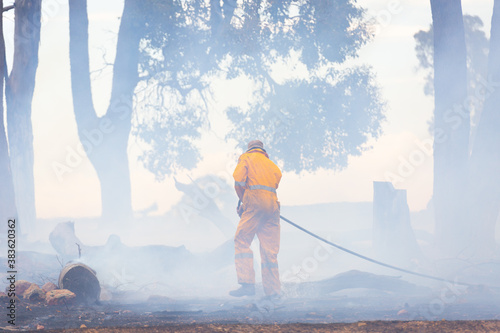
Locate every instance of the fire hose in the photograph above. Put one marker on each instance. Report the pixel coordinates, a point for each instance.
(373, 260)
(370, 259)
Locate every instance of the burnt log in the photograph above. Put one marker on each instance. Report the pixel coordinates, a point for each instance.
(82, 281)
(163, 269)
(356, 279)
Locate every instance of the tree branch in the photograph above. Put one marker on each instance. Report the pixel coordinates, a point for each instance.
(6, 9)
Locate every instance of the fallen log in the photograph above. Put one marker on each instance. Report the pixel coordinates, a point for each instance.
(82, 281)
(357, 279)
(65, 242)
(152, 268)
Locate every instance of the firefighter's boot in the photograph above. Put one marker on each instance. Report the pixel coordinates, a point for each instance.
(246, 289)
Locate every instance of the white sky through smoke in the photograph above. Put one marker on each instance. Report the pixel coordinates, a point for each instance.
(402, 150)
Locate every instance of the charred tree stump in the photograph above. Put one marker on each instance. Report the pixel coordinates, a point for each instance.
(81, 280)
(393, 237)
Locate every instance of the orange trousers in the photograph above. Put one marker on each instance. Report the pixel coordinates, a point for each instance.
(263, 220)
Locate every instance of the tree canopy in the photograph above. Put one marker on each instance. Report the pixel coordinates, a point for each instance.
(315, 118)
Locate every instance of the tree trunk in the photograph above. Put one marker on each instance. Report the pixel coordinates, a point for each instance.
(7, 198)
(451, 125)
(105, 139)
(19, 95)
(485, 158)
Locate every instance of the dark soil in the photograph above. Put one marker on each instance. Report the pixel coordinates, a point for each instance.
(331, 314)
(373, 326)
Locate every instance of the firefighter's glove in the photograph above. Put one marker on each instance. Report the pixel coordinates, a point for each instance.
(239, 210)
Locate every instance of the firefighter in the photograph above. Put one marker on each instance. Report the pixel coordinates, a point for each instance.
(256, 180)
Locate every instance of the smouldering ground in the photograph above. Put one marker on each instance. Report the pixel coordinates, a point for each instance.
(372, 326)
(329, 314)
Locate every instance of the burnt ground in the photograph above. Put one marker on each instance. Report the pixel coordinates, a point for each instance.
(375, 326)
(375, 313)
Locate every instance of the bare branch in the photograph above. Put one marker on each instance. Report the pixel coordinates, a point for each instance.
(59, 261)
(6, 9)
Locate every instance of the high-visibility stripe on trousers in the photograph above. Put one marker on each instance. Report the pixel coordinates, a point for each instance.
(265, 223)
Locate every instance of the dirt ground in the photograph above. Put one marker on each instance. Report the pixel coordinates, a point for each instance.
(373, 326)
(330, 314)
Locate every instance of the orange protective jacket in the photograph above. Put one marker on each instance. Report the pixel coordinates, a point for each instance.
(256, 171)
